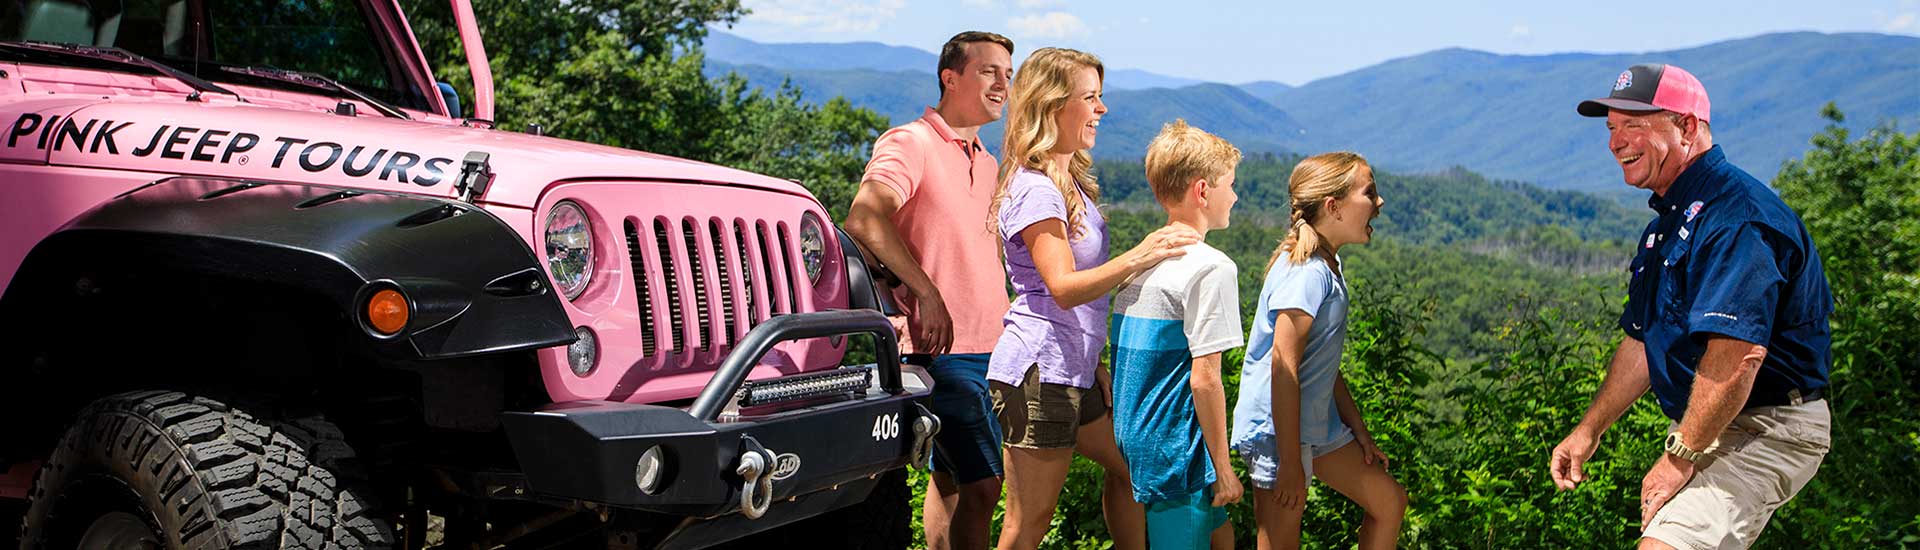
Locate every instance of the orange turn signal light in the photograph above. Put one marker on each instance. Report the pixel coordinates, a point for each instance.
(387, 311)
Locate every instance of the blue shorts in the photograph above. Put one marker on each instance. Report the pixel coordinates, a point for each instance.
(1184, 521)
(968, 446)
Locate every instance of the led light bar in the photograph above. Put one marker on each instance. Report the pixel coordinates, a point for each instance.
(839, 381)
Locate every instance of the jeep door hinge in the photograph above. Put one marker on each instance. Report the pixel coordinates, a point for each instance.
(475, 176)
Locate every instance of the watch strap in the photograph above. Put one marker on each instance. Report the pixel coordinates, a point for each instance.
(1677, 447)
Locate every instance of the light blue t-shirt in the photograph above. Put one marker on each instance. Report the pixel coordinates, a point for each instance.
(1311, 287)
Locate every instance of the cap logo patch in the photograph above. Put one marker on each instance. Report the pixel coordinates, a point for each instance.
(1625, 81)
(1694, 209)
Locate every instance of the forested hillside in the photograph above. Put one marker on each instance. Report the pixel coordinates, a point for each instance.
(1483, 253)
(1509, 116)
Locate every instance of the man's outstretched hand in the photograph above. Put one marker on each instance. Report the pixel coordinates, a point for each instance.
(1570, 459)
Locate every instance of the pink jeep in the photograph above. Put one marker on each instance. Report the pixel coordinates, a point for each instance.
(264, 286)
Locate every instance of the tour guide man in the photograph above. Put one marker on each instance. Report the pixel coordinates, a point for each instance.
(1726, 321)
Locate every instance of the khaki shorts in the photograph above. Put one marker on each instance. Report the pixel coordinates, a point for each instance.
(1756, 465)
(1037, 415)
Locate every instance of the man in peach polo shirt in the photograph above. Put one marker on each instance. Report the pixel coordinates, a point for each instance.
(922, 212)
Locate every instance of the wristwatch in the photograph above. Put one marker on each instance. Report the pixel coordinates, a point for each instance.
(1679, 448)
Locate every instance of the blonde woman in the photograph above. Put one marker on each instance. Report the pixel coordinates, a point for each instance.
(1044, 370)
(1294, 419)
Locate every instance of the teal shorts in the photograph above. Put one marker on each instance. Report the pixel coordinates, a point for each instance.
(1184, 521)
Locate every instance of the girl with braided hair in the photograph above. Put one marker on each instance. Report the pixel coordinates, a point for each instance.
(1294, 419)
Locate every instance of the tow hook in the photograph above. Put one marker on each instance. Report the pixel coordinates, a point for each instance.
(756, 473)
(925, 426)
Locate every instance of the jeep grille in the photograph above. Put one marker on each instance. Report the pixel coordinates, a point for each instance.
(707, 276)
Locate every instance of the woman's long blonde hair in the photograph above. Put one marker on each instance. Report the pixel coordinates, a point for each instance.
(1315, 179)
(1042, 89)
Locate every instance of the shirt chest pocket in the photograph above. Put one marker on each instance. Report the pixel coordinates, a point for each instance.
(1671, 299)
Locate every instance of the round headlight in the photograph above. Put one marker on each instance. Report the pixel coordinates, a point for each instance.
(813, 246)
(569, 248)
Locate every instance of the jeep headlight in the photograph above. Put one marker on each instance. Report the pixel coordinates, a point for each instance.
(569, 248)
(813, 246)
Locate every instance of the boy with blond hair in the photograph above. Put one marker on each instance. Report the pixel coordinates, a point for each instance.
(1170, 326)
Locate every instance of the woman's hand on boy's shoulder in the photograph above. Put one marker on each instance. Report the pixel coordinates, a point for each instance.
(1163, 243)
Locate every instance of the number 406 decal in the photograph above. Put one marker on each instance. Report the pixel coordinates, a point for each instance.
(886, 426)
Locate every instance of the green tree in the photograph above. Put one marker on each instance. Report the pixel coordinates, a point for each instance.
(1860, 199)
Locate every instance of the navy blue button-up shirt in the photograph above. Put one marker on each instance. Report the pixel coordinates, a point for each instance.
(1725, 256)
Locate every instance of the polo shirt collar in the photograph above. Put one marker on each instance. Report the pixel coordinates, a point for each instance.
(1697, 183)
(946, 132)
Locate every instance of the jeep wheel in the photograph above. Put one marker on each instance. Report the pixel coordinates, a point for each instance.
(167, 470)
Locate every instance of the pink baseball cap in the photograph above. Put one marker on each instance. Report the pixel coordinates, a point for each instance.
(1653, 87)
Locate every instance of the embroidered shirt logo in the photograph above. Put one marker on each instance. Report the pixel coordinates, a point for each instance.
(1625, 81)
(1719, 314)
(1694, 209)
(1649, 241)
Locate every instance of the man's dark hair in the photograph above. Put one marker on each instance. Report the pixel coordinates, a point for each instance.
(953, 56)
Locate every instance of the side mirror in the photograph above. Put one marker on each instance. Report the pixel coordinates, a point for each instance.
(452, 98)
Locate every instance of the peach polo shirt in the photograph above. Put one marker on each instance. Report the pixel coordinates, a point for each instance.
(946, 184)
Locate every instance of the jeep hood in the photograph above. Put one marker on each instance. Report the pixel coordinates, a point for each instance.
(248, 141)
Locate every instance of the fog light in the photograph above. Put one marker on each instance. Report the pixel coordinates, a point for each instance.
(387, 311)
(647, 472)
(584, 353)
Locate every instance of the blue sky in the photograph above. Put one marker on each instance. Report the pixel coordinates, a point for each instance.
(1297, 42)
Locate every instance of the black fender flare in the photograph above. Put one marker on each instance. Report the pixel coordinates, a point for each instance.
(473, 285)
(865, 286)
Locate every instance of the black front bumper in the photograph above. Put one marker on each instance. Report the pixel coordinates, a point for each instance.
(591, 450)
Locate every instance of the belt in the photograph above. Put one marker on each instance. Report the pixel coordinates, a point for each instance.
(1791, 397)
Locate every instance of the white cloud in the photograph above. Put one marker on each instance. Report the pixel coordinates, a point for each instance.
(1902, 23)
(1521, 31)
(1038, 4)
(1053, 24)
(825, 16)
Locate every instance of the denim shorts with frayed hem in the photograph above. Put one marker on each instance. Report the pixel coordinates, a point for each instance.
(1264, 462)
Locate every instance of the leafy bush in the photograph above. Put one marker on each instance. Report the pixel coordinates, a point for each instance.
(1861, 201)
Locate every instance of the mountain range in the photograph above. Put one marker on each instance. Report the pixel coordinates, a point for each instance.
(1507, 116)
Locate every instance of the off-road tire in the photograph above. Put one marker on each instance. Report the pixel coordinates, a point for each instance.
(204, 476)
